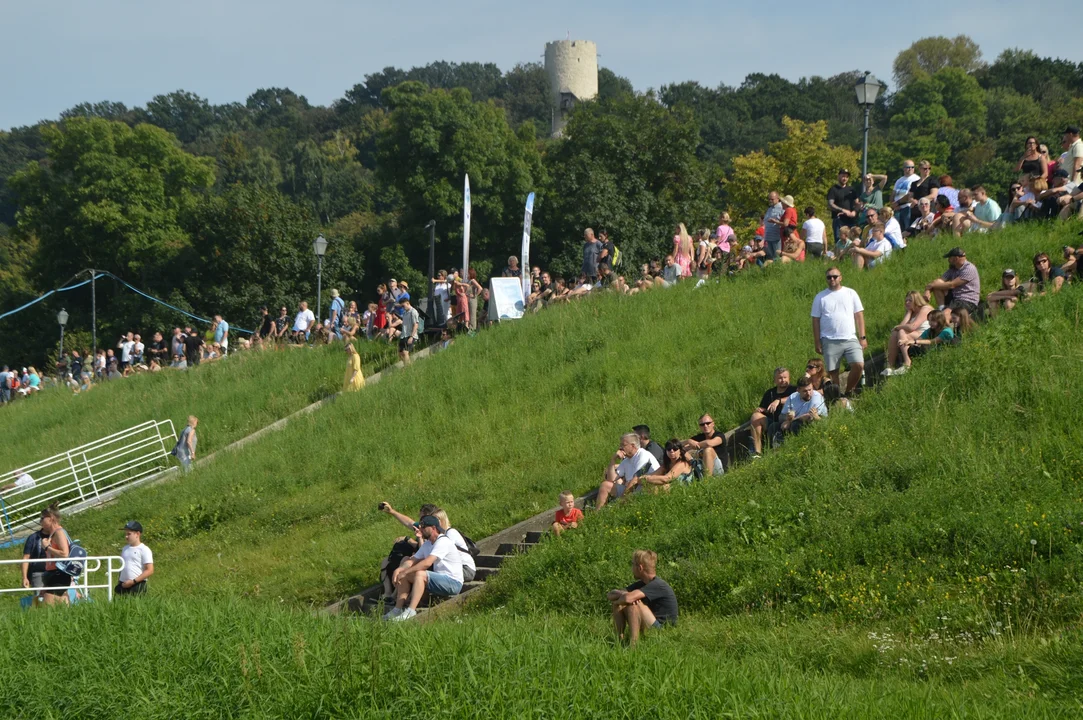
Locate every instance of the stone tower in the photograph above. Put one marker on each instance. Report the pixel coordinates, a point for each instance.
(572, 67)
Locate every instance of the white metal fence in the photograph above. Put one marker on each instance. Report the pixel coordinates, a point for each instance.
(85, 473)
(82, 585)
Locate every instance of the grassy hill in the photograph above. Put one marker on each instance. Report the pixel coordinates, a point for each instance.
(232, 399)
(915, 558)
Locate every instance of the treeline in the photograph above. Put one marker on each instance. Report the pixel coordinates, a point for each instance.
(214, 207)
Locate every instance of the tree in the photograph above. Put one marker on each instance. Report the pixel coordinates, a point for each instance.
(929, 55)
(526, 97)
(109, 197)
(611, 85)
(431, 139)
(182, 113)
(627, 164)
(803, 165)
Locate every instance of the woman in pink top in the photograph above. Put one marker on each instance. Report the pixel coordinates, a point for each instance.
(724, 234)
(682, 250)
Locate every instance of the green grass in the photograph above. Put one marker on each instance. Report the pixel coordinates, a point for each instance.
(199, 659)
(232, 399)
(496, 426)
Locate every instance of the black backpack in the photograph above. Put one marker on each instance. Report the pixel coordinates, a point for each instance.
(471, 546)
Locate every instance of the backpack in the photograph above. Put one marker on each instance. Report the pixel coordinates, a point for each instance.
(471, 546)
(75, 563)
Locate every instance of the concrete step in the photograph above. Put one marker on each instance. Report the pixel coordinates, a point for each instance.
(533, 538)
(484, 573)
(489, 561)
(513, 548)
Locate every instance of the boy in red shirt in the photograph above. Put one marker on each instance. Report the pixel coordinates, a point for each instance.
(568, 516)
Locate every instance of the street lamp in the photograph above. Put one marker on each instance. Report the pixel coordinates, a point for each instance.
(867, 89)
(62, 318)
(319, 246)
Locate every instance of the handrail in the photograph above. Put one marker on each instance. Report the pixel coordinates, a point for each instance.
(93, 563)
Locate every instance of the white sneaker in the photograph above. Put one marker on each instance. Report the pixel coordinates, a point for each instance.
(404, 615)
(887, 372)
(392, 613)
(901, 370)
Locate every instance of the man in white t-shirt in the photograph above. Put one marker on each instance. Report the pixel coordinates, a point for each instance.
(138, 562)
(303, 323)
(23, 481)
(902, 189)
(436, 568)
(814, 233)
(838, 329)
(629, 462)
(1072, 160)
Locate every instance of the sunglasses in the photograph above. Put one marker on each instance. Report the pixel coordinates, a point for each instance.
(908, 167)
(705, 424)
(833, 277)
(812, 367)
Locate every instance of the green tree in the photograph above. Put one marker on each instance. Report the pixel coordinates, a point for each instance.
(627, 164)
(929, 55)
(612, 85)
(803, 164)
(432, 138)
(109, 197)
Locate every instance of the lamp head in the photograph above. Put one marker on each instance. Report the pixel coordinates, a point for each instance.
(319, 245)
(867, 88)
(62, 317)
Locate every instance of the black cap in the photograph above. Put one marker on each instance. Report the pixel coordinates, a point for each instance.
(1061, 173)
(955, 252)
(430, 521)
(134, 526)
(843, 171)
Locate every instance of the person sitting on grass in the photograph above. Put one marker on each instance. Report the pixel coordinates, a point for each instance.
(435, 569)
(648, 603)
(765, 418)
(939, 332)
(138, 562)
(959, 287)
(1046, 277)
(1009, 293)
(677, 466)
(628, 462)
(710, 446)
(645, 442)
(568, 516)
(803, 407)
(874, 252)
(914, 322)
(793, 247)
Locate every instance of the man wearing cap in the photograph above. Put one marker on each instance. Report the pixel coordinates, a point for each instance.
(1072, 160)
(838, 329)
(410, 322)
(772, 226)
(138, 562)
(957, 289)
(338, 308)
(840, 200)
(436, 568)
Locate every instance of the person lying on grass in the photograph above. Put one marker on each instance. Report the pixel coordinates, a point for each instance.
(435, 569)
(568, 516)
(648, 603)
(629, 461)
(676, 466)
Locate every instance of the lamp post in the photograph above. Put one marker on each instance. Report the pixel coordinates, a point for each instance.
(867, 89)
(433, 318)
(62, 318)
(319, 246)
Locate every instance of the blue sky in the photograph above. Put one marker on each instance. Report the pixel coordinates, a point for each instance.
(57, 53)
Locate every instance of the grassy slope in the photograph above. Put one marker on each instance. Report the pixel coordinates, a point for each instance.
(231, 398)
(212, 660)
(493, 428)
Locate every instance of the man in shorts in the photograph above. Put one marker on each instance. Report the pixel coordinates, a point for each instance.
(628, 463)
(709, 444)
(410, 322)
(648, 603)
(838, 329)
(957, 289)
(436, 568)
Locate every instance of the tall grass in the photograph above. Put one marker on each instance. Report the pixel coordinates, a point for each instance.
(153, 658)
(495, 426)
(232, 398)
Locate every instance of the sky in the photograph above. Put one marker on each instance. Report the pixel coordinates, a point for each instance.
(58, 53)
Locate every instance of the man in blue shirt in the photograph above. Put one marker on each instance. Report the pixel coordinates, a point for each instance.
(338, 307)
(804, 406)
(772, 225)
(221, 333)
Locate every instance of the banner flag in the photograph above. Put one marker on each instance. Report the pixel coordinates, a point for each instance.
(466, 230)
(524, 261)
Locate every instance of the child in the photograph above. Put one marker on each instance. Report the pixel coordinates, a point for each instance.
(647, 603)
(138, 562)
(568, 516)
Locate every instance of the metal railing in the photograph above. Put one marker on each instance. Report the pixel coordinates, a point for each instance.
(86, 472)
(93, 563)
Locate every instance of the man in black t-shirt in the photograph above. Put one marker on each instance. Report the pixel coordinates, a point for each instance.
(158, 349)
(267, 324)
(649, 602)
(926, 186)
(33, 572)
(649, 445)
(193, 348)
(605, 257)
(767, 414)
(840, 200)
(709, 445)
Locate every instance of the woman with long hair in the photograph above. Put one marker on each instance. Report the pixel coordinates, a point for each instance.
(1032, 163)
(915, 321)
(474, 292)
(1047, 277)
(461, 290)
(354, 379)
(56, 544)
(1008, 294)
(682, 250)
(793, 247)
(939, 333)
(676, 466)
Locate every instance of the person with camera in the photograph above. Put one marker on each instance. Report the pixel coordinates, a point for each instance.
(435, 569)
(803, 407)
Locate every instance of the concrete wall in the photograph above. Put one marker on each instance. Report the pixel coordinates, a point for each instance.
(572, 67)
